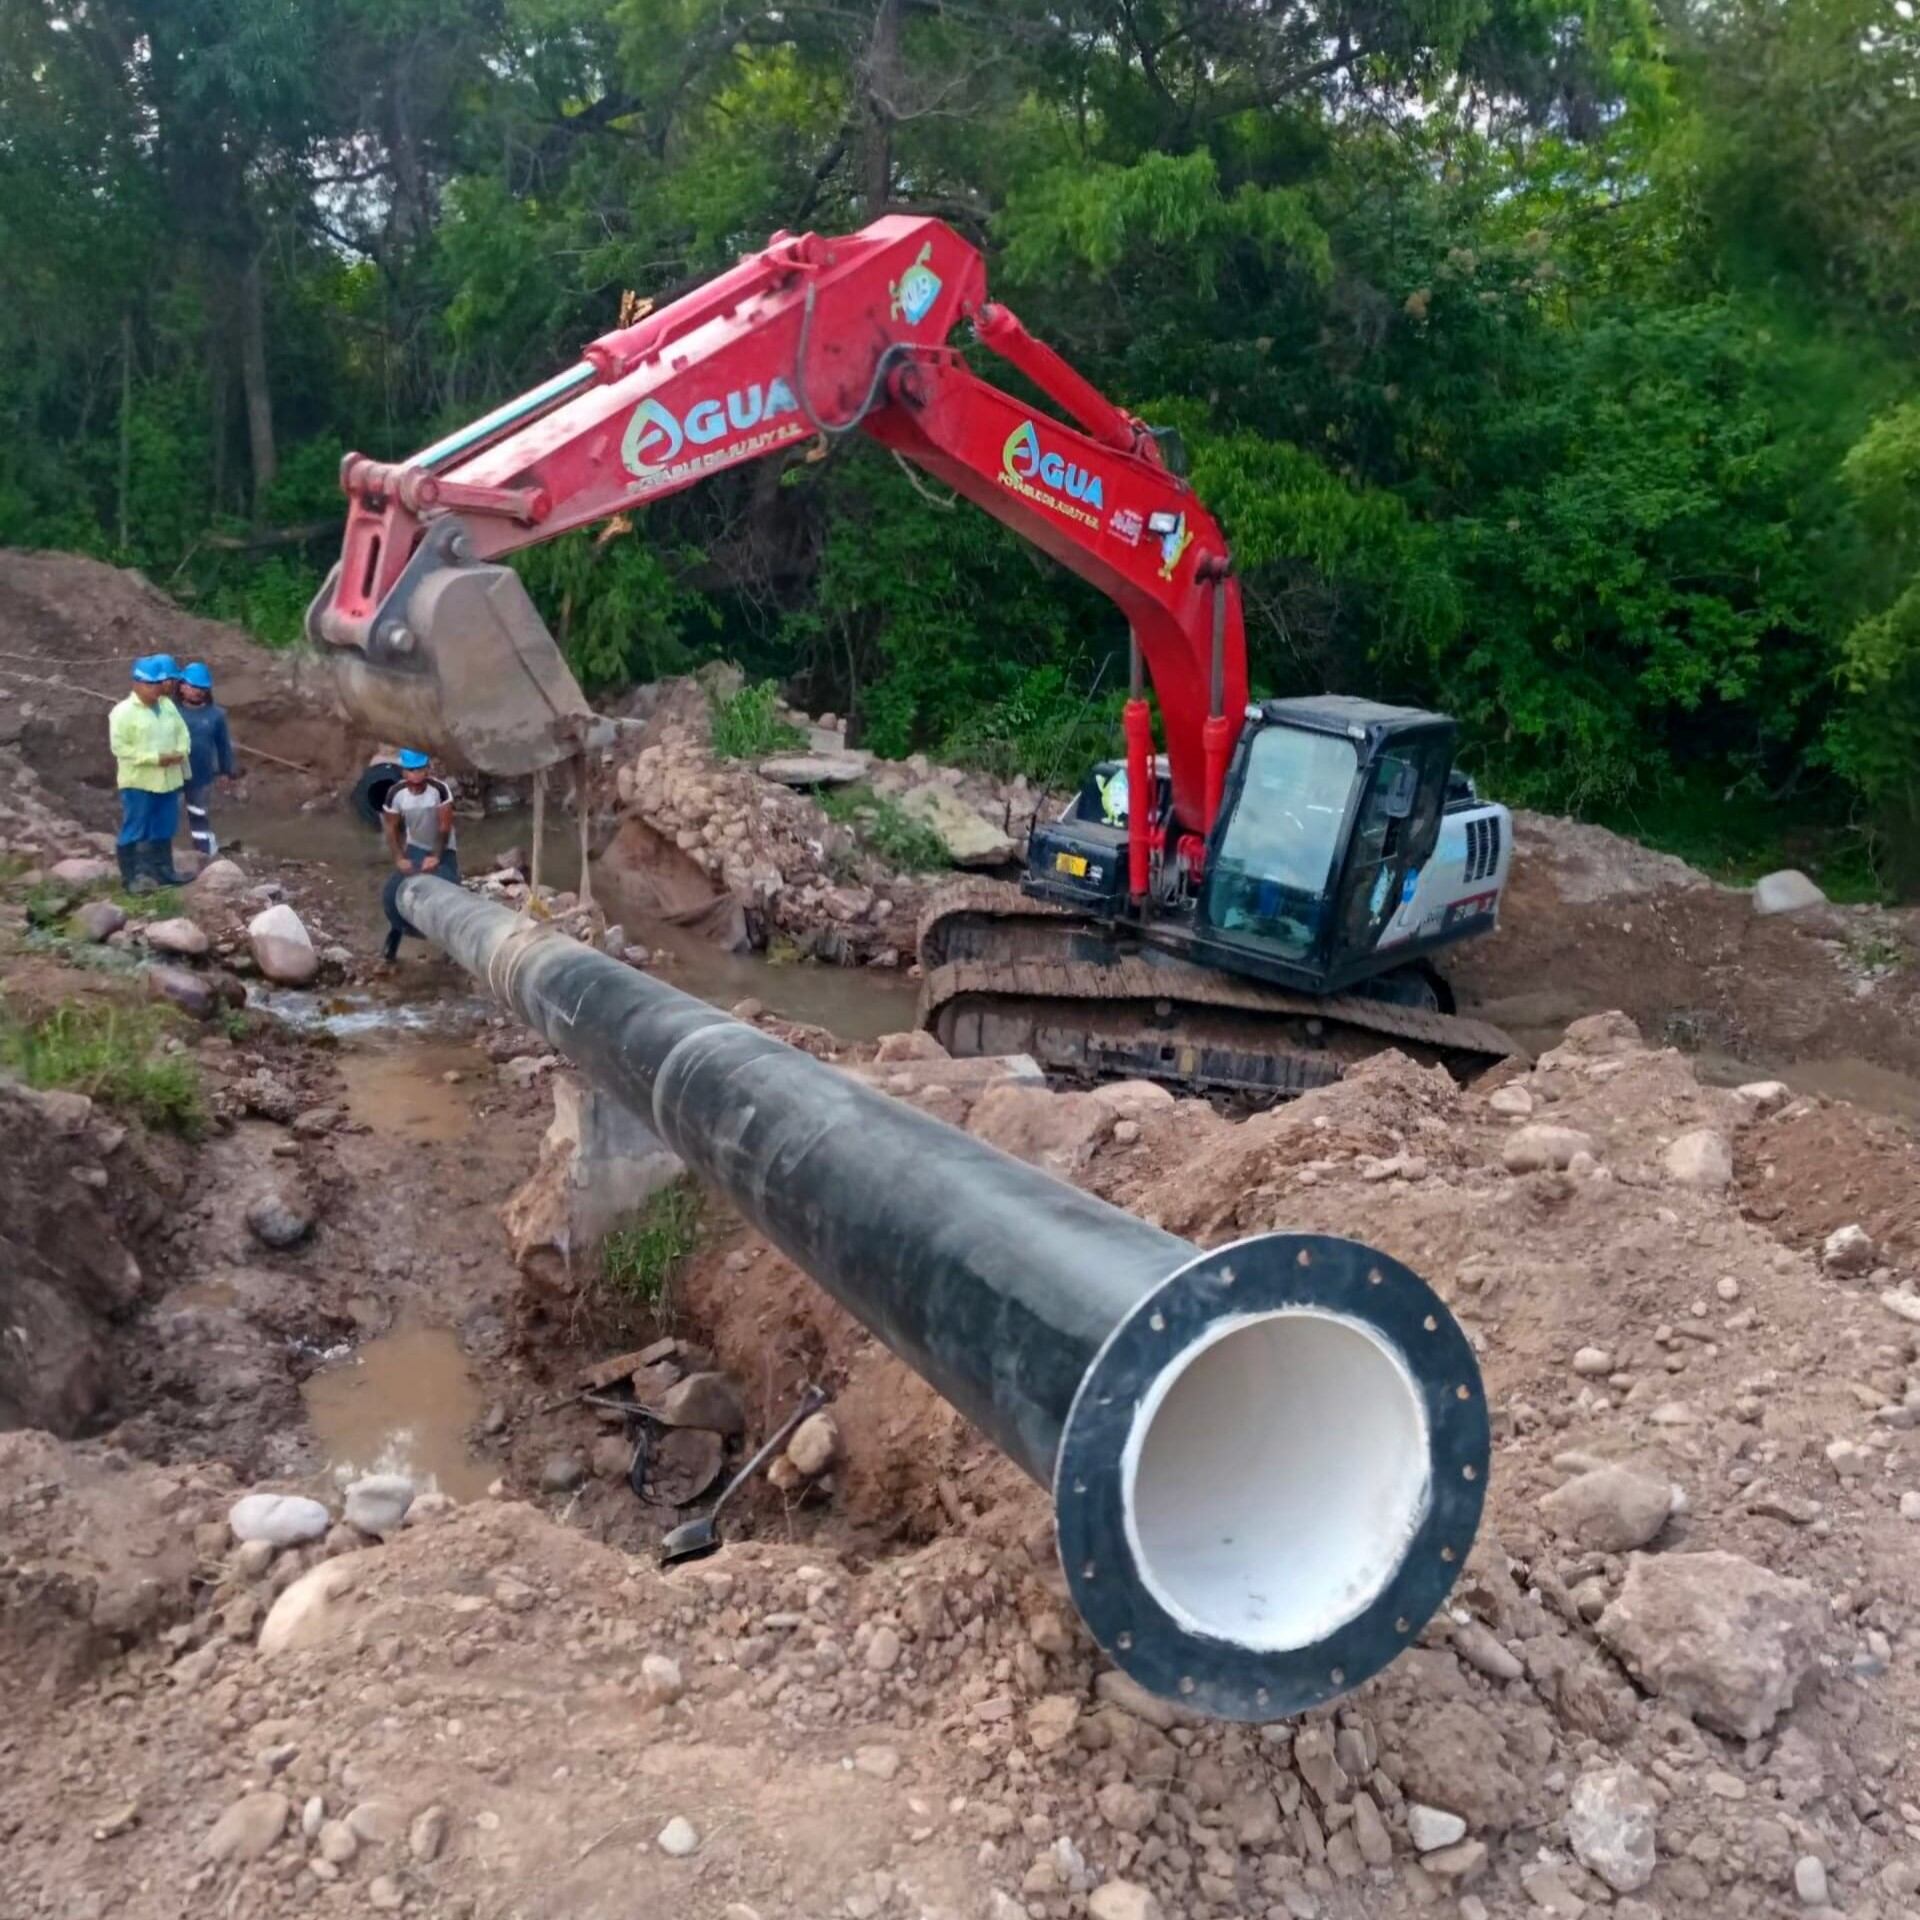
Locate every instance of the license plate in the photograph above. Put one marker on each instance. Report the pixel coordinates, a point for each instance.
(1073, 863)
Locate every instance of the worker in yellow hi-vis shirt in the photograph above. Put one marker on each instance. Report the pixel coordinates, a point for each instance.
(150, 752)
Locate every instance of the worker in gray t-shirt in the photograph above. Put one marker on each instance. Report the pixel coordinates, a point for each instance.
(418, 822)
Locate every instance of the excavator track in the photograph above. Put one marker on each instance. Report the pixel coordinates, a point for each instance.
(1002, 973)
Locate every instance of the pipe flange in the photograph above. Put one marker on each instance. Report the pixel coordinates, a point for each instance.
(1257, 1667)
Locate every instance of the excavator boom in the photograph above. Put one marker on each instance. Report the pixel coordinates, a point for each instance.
(810, 338)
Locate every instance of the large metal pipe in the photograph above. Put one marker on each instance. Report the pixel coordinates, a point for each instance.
(1267, 1460)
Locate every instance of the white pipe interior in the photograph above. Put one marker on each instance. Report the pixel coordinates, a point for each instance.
(1274, 1477)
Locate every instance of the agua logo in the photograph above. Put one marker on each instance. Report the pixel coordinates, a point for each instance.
(1029, 468)
(656, 435)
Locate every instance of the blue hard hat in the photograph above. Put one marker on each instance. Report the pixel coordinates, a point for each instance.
(197, 675)
(147, 669)
(168, 666)
(412, 759)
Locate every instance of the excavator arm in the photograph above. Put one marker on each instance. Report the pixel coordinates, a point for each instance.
(438, 642)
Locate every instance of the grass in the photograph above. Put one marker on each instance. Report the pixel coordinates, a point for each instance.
(885, 828)
(111, 1054)
(748, 726)
(639, 1261)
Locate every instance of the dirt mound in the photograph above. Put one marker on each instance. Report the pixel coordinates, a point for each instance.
(69, 627)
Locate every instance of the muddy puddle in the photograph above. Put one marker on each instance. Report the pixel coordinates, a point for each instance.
(856, 1003)
(403, 1090)
(402, 1403)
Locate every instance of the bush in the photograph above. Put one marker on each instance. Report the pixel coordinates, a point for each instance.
(639, 1262)
(747, 725)
(885, 829)
(110, 1054)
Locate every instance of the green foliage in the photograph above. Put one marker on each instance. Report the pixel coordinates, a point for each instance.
(109, 1053)
(748, 726)
(619, 610)
(884, 827)
(640, 1261)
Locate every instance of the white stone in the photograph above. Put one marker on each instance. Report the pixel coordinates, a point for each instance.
(248, 1828)
(180, 935)
(1699, 1158)
(282, 948)
(815, 1444)
(1515, 1102)
(378, 1503)
(1848, 1250)
(1431, 1827)
(1611, 1825)
(679, 1837)
(1539, 1147)
(883, 1650)
(311, 1610)
(1787, 891)
(660, 1680)
(1810, 1880)
(280, 1519)
(1592, 1361)
(1123, 1900)
(1765, 1096)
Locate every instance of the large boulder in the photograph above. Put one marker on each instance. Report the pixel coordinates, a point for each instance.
(970, 839)
(836, 769)
(1724, 1640)
(180, 936)
(282, 948)
(1788, 891)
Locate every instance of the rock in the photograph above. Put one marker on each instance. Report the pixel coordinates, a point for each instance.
(1810, 1880)
(81, 871)
(1910, 1505)
(1058, 1132)
(1122, 1690)
(282, 947)
(313, 1815)
(969, 839)
(1538, 1148)
(915, 1043)
(1462, 1862)
(562, 1473)
(253, 1559)
(661, 1683)
(427, 1835)
(708, 1400)
(280, 1217)
(1721, 1638)
(194, 993)
(248, 1829)
(1123, 1900)
(1051, 1721)
(1455, 1755)
(429, 1507)
(1370, 1831)
(1484, 1652)
(1765, 1096)
(1515, 1102)
(180, 936)
(1430, 1828)
(1699, 1158)
(815, 1444)
(678, 1838)
(1593, 1361)
(337, 1842)
(1848, 1461)
(385, 1894)
(217, 880)
(1849, 1250)
(1787, 891)
(1610, 1824)
(611, 1457)
(377, 1823)
(378, 1504)
(278, 1519)
(883, 1650)
(815, 769)
(1610, 1510)
(310, 1609)
(1130, 1809)
(98, 920)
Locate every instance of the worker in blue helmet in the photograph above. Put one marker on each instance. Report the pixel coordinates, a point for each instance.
(418, 821)
(212, 756)
(169, 669)
(150, 753)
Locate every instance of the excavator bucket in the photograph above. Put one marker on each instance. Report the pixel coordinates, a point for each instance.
(460, 665)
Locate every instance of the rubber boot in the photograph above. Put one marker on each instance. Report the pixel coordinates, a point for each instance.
(160, 864)
(133, 878)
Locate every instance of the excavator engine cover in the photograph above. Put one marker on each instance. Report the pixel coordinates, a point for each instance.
(459, 664)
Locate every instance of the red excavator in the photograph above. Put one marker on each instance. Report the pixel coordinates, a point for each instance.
(1251, 909)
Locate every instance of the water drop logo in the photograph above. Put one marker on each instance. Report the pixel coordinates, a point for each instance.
(914, 293)
(653, 438)
(1030, 468)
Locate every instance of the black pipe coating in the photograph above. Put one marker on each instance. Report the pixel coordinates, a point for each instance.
(1022, 1300)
